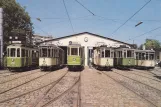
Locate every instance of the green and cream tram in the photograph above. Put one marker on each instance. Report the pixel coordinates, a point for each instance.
(20, 57)
(145, 59)
(75, 56)
(124, 58)
(51, 57)
(103, 58)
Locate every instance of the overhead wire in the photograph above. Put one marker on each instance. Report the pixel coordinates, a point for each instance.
(42, 30)
(85, 7)
(103, 18)
(68, 16)
(131, 17)
(145, 33)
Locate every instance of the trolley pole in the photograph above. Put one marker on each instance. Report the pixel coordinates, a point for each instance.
(1, 37)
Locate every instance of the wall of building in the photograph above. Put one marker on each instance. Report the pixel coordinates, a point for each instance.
(93, 41)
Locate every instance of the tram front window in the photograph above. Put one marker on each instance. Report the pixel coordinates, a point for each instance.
(103, 54)
(129, 53)
(151, 56)
(18, 52)
(44, 52)
(23, 53)
(107, 53)
(13, 52)
(74, 51)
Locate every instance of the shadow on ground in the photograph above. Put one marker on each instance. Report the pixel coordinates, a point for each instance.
(159, 77)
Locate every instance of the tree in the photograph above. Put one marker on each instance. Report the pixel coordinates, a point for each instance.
(14, 17)
(152, 44)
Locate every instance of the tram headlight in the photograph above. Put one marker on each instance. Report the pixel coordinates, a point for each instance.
(74, 59)
(129, 62)
(12, 60)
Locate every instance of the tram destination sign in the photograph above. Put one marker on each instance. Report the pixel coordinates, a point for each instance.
(16, 41)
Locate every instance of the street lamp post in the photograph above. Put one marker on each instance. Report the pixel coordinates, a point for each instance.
(1, 36)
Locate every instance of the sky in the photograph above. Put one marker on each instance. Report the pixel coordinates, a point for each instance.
(108, 16)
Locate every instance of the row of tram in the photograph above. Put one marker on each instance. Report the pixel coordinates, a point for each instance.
(106, 58)
(49, 57)
(23, 57)
(46, 57)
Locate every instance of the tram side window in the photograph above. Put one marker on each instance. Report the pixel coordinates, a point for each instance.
(26, 53)
(74, 51)
(120, 54)
(18, 52)
(129, 53)
(151, 56)
(147, 56)
(124, 54)
(33, 53)
(102, 54)
(23, 53)
(56, 53)
(29, 53)
(68, 51)
(52, 53)
(8, 51)
(137, 55)
(112, 54)
(44, 52)
(13, 52)
(49, 52)
(143, 56)
(107, 53)
(80, 52)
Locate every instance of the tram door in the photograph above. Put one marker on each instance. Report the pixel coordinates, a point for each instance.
(90, 54)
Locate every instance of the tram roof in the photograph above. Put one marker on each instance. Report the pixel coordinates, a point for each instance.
(21, 45)
(144, 51)
(49, 45)
(105, 47)
(120, 48)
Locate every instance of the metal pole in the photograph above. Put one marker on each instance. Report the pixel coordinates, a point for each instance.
(1, 35)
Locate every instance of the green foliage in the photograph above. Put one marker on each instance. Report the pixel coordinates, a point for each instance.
(14, 17)
(152, 44)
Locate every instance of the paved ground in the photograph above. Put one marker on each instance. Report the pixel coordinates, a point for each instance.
(89, 88)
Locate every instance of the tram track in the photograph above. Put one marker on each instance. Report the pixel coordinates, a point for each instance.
(24, 83)
(26, 93)
(3, 75)
(19, 77)
(4, 72)
(144, 72)
(130, 72)
(128, 87)
(137, 81)
(47, 100)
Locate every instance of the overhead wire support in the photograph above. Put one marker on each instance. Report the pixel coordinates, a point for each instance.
(68, 16)
(85, 7)
(131, 16)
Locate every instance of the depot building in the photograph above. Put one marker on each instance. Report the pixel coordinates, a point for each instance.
(88, 40)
